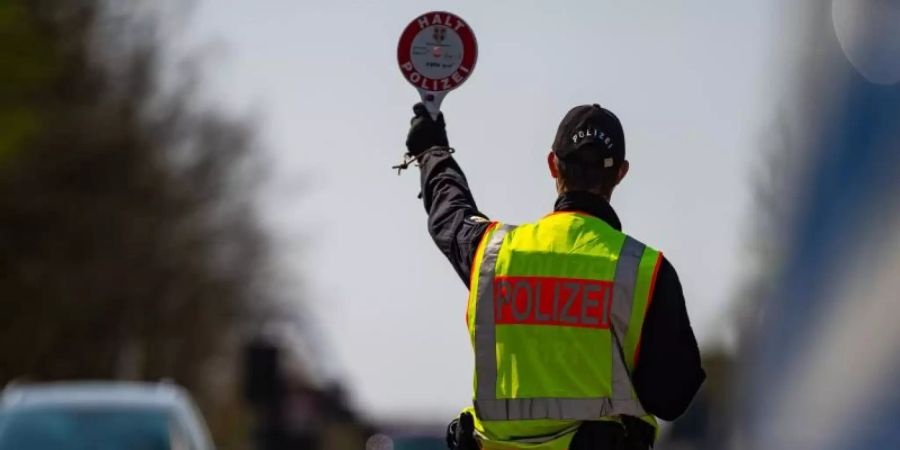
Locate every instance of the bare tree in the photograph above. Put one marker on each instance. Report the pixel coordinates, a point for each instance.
(128, 242)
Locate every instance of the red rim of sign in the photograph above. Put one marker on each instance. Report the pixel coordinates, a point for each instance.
(466, 66)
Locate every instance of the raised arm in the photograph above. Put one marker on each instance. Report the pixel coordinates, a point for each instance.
(454, 221)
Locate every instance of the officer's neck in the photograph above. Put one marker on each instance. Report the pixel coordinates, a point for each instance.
(588, 202)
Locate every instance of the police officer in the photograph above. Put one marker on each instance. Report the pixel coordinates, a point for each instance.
(580, 332)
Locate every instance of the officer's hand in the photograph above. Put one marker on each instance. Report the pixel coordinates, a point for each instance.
(424, 132)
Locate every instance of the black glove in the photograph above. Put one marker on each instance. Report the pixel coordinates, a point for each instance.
(424, 132)
(461, 433)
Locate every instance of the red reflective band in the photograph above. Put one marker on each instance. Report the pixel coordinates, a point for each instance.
(637, 348)
(566, 302)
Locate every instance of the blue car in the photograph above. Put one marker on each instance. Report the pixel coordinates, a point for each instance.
(100, 416)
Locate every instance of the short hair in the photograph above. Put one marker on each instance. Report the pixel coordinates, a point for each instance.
(584, 171)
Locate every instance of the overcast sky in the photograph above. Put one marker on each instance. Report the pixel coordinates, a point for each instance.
(692, 85)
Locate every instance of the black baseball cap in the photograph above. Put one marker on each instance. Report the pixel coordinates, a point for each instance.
(591, 128)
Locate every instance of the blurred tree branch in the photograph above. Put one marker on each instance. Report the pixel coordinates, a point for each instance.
(128, 242)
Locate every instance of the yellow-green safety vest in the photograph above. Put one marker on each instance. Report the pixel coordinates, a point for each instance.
(555, 315)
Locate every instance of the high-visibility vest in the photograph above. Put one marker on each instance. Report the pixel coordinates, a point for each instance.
(555, 315)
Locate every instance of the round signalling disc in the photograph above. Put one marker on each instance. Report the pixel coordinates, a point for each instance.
(437, 53)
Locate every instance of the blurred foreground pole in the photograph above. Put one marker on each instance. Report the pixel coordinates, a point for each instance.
(822, 364)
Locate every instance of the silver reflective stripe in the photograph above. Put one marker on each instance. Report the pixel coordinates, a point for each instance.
(546, 437)
(485, 343)
(555, 408)
(623, 298)
(489, 407)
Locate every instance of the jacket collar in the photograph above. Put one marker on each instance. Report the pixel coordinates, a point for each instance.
(588, 203)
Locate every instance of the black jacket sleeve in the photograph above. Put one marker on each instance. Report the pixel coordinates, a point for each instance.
(668, 371)
(454, 221)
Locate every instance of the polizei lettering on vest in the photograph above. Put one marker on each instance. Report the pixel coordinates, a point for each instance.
(552, 301)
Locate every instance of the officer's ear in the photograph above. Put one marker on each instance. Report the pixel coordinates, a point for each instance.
(551, 163)
(623, 170)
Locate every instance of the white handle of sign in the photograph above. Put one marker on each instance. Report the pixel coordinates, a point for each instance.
(432, 101)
